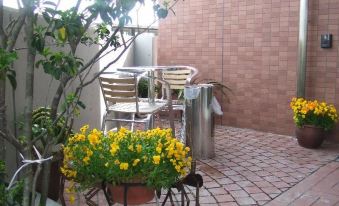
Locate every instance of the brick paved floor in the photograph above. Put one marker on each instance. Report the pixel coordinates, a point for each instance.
(320, 188)
(253, 168)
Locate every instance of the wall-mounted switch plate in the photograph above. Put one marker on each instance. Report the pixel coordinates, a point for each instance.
(326, 40)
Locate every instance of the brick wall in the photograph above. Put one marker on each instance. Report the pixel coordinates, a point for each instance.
(251, 46)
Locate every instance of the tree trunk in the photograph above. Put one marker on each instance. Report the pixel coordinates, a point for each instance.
(2, 93)
(2, 120)
(27, 131)
(45, 181)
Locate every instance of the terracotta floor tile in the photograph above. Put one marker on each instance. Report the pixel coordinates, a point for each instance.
(245, 183)
(260, 197)
(217, 191)
(232, 187)
(239, 193)
(252, 189)
(224, 181)
(224, 198)
(245, 201)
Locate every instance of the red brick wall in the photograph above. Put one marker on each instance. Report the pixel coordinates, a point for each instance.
(251, 46)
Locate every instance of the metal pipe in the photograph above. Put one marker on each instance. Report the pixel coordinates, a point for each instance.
(302, 48)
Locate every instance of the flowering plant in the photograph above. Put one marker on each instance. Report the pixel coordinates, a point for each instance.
(153, 156)
(315, 113)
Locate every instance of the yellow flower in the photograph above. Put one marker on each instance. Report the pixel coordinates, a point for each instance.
(86, 160)
(177, 168)
(139, 148)
(130, 147)
(84, 128)
(124, 166)
(156, 159)
(135, 162)
(114, 148)
(158, 149)
(117, 162)
(71, 199)
(93, 139)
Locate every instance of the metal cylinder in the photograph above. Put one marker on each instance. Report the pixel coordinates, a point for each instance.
(199, 122)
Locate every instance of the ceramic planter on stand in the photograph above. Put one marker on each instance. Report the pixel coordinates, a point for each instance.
(310, 136)
(131, 193)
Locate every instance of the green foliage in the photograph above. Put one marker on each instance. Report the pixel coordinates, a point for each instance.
(161, 12)
(217, 87)
(57, 63)
(312, 112)
(143, 88)
(153, 157)
(42, 122)
(12, 197)
(72, 99)
(6, 60)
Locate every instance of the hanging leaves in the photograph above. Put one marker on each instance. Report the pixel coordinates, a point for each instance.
(6, 60)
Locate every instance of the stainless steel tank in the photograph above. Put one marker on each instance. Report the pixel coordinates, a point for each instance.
(199, 124)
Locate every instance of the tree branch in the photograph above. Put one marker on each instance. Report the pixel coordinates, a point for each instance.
(97, 55)
(13, 35)
(3, 36)
(11, 139)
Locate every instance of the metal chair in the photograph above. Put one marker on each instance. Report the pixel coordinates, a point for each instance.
(120, 94)
(178, 77)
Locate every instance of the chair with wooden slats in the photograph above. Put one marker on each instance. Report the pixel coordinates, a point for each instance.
(178, 77)
(121, 96)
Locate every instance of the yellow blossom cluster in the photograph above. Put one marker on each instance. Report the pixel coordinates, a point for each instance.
(314, 113)
(154, 154)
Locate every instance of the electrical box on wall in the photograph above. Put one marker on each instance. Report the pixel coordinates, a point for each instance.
(326, 41)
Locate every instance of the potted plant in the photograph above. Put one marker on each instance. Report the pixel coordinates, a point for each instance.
(312, 119)
(152, 158)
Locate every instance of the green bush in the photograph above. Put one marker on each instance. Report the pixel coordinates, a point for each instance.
(12, 197)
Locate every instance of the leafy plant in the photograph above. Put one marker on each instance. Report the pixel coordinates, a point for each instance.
(12, 197)
(6, 60)
(153, 157)
(143, 88)
(217, 87)
(43, 124)
(319, 114)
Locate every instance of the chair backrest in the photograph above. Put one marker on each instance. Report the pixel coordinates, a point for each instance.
(177, 78)
(117, 89)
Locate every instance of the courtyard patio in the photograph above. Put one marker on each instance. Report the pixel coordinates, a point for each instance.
(258, 168)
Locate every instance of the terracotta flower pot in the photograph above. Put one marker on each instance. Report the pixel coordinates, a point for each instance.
(310, 136)
(136, 194)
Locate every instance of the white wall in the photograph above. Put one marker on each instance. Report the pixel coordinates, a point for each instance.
(143, 50)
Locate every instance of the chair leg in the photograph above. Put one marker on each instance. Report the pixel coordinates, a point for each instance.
(104, 121)
(132, 124)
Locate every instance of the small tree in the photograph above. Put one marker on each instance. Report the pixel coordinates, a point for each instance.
(66, 29)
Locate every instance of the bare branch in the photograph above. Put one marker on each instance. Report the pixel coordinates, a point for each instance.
(3, 36)
(13, 35)
(98, 54)
(11, 139)
(123, 39)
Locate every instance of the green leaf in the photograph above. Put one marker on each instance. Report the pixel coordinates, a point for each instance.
(81, 104)
(46, 16)
(104, 16)
(162, 13)
(12, 80)
(50, 3)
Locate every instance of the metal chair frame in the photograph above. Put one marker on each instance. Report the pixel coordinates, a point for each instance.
(121, 96)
